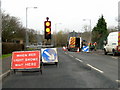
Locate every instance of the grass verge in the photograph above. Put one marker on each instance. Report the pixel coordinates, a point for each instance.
(5, 55)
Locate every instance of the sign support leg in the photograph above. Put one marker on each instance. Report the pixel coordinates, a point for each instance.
(41, 70)
(56, 63)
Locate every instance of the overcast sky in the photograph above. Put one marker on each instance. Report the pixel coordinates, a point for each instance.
(70, 13)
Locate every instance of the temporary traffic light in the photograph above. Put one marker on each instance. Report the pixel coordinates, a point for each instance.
(47, 25)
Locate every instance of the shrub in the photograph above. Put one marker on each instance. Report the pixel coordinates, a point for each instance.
(10, 47)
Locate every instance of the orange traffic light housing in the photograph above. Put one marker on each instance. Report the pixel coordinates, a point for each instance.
(47, 30)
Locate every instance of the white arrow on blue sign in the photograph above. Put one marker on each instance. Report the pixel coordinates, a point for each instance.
(85, 49)
(49, 55)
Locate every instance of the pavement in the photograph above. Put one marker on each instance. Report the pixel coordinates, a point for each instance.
(6, 65)
(99, 51)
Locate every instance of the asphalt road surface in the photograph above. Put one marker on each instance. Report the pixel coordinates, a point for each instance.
(74, 70)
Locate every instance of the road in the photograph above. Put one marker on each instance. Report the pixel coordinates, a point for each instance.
(75, 70)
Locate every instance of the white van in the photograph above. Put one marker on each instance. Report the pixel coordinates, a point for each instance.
(111, 45)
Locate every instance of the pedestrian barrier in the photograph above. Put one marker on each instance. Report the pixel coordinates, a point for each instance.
(85, 49)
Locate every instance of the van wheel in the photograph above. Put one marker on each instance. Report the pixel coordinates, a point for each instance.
(113, 52)
(105, 52)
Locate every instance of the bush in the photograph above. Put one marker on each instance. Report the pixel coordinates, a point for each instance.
(10, 47)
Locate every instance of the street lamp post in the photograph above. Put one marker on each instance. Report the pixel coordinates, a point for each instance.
(27, 37)
(0, 44)
(56, 32)
(89, 27)
(90, 31)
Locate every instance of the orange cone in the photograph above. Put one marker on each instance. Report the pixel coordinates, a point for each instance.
(78, 50)
(64, 48)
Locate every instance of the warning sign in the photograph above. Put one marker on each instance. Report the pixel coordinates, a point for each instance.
(25, 60)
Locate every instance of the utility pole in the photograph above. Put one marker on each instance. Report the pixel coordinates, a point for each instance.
(119, 16)
(89, 28)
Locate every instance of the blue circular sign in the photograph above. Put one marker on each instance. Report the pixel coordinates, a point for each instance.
(49, 55)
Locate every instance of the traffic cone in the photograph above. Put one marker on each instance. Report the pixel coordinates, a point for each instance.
(78, 50)
(64, 48)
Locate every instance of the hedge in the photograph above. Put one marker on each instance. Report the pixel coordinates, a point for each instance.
(10, 47)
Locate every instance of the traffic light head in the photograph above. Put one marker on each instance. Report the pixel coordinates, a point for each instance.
(47, 25)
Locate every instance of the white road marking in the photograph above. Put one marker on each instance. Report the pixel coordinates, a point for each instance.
(118, 81)
(115, 57)
(78, 59)
(95, 68)
(71, 55)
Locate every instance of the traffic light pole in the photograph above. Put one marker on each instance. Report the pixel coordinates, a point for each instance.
(47, 18)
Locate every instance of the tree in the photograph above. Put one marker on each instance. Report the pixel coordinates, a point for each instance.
(112, 29)
(85, 28)
(32, 36)
(61, 37)
(85, 35)
(11, 28)
(100, 32)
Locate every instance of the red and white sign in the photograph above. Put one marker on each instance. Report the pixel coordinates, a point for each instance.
(25, 60)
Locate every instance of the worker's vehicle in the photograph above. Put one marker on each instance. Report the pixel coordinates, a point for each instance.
(112, 45)
(74, 44)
